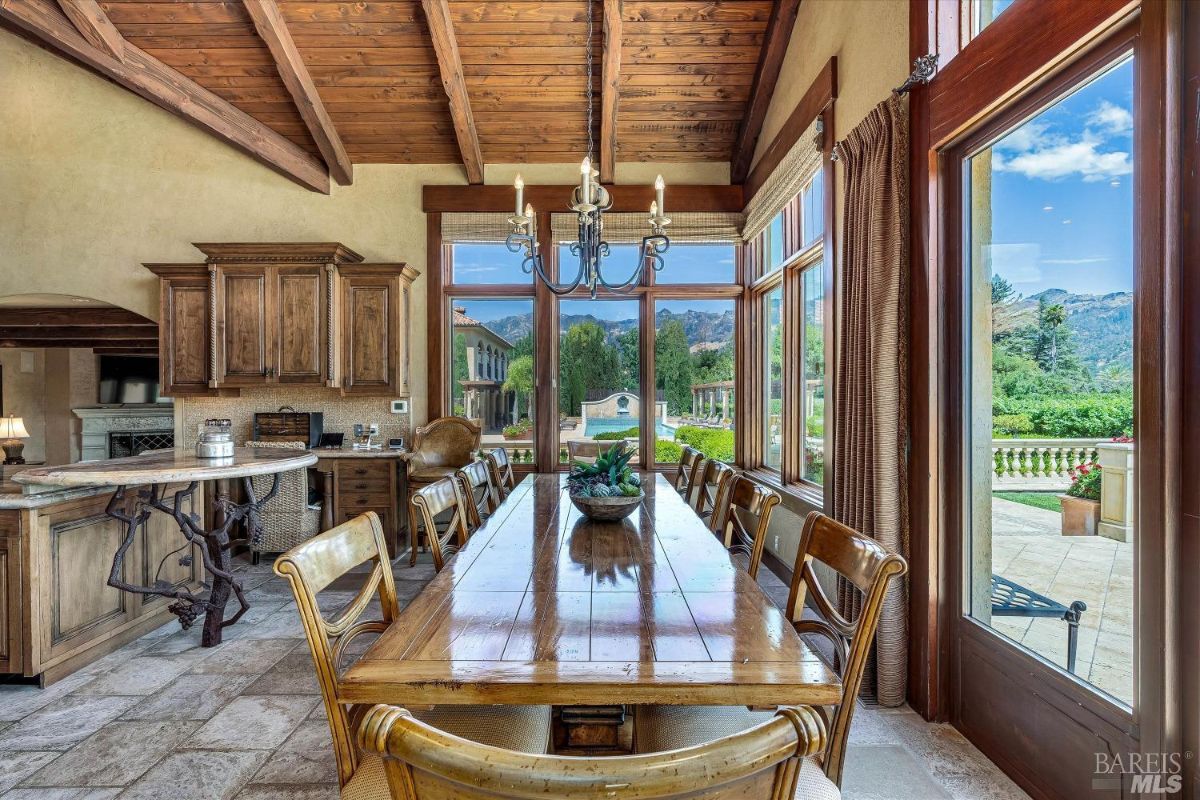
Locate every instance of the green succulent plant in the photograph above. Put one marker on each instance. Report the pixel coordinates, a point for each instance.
(609, 476)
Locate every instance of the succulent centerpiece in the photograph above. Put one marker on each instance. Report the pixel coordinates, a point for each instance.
(608, 488)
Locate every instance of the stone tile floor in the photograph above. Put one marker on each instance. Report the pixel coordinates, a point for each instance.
(163, 719)
(1028, 547)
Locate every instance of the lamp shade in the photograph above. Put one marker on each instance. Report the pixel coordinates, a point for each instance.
(13, 428)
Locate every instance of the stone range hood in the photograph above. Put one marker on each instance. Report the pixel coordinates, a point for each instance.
(100, 422)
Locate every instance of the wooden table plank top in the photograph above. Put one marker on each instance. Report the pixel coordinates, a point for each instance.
(546, 606)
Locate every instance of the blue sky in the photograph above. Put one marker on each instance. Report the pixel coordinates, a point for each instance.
(489, 310)
(1062, 193)
(686, 263)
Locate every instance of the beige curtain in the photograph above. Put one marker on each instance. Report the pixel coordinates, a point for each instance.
(870, 485)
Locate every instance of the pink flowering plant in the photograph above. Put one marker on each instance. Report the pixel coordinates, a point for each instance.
(1085, 481)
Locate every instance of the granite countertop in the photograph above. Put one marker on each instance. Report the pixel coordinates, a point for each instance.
(15, 495)
(168, 466)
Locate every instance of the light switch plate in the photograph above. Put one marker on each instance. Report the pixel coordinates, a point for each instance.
(399, 406)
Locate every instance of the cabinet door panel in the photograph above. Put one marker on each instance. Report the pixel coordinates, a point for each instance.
(163, 545)
(247, 340)
(10, 599)
(185, 336)
(371, 337)
(303, 336)
(81, 601)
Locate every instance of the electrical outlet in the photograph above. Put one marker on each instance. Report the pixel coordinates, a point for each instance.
(399, 406)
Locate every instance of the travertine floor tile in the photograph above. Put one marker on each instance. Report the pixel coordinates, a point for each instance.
(196, 697)
(306, 757)
(259, 722)
(16, 765)
(197, 775)
(116, 755)
(64, 723)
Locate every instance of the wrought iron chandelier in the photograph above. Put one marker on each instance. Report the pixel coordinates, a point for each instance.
(589, 201)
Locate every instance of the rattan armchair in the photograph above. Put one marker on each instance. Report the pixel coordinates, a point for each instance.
(287, 519)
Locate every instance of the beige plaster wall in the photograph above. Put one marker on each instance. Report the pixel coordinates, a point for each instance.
(870, 40)
(24, 376)
(97, 181)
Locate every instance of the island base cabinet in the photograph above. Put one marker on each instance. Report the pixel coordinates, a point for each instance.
(10, 592)
(71, 615)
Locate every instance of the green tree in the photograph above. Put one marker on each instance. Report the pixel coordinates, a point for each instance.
(1002, 290)
(521, 347)
(673, 366)
(520, 380)
(586, 361)
(1052, 328)
(630, 355)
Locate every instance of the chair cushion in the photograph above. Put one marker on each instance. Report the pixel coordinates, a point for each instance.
(522, 728)
(660, 728)
(431, 474)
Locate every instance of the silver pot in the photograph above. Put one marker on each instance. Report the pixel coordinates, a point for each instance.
(215, 439)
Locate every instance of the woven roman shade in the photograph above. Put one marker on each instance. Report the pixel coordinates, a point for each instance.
(629, 228)
(475, 227)
(784, 183)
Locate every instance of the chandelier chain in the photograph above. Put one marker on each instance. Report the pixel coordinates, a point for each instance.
(588, 89)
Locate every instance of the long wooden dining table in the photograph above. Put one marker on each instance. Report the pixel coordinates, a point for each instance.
(545, 606)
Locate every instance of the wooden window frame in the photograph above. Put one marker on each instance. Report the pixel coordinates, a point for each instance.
(441, 290)
(789, 479)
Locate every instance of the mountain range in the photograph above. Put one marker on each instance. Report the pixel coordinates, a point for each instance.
(1101, 325)
(701, 327)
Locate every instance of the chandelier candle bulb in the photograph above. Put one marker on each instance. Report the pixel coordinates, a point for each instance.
(520, 187)
(659, 187)
(585, 180)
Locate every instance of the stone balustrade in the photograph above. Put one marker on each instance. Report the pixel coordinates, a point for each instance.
(1039, 464)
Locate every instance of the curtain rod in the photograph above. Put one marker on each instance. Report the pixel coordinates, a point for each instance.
(924, 68)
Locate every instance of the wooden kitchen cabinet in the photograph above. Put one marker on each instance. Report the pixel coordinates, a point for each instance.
(375, 340)
(297, 314)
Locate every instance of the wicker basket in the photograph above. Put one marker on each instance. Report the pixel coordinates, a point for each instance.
(607, 508)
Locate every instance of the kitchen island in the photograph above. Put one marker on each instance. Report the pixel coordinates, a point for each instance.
(134, 508)
(57, 611)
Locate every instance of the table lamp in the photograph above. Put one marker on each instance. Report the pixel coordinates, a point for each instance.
(12, 431)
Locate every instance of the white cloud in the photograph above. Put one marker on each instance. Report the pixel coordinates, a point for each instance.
(1074, 261)
(1112, 119)
(1033, 150)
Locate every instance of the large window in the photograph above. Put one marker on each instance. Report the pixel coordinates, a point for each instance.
(656, 367)
(791, 308)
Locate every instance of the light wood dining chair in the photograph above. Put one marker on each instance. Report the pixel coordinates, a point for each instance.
(708, 481)
(687, 465)
(502, 472)
(769, 761)
(315, 564)
(741, 518)
(479, 493)
(865, 565)
(430, 502)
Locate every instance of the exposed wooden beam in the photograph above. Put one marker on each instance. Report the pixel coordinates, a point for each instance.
(125, 351)
(83, 315)
(770, 61)
(91, 21)
(78, 332)
(155, 81)
(441, 30)
(272, 29)
(610, 90)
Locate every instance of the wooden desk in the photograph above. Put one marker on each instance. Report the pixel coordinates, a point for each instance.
(545, 606)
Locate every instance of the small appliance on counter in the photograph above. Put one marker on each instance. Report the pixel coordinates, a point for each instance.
(215, 439)
(363, 436)
(289, 425)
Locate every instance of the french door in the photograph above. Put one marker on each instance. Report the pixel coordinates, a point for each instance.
(1056, 528)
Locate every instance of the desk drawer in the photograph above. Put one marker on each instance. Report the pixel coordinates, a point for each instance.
(364, 500)
(357, 472)
(385, 519)
(349, 484)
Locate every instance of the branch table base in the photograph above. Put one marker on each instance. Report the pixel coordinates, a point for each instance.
(152, 473)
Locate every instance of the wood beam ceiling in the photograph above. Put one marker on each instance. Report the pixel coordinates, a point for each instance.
(26, 317)
(610, 91)
(441, 30)
(91, 21)
(273, 30)
(162, 85)
(770, 62)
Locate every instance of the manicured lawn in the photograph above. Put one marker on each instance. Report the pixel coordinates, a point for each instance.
(1046, 500)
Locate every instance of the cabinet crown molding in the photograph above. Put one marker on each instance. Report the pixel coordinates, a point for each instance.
(276, 252)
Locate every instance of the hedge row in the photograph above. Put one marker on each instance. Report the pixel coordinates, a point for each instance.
(1071, 417)
(712, 442)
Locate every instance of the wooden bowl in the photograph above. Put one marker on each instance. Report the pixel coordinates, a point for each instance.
(607, 509)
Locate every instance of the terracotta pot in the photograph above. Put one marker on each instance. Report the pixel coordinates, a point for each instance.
(1079, 516)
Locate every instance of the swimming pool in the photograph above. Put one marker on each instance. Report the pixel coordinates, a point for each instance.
(611, 425)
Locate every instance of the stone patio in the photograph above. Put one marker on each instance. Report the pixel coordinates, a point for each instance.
(1029, 548)
(164, 718)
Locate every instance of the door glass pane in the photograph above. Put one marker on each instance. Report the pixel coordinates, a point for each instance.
(693, 375)
(813, 467)
(774, 244)
(1051, 412)
(986, 11)
(491, 371)
(773, 314)
(598, 372)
